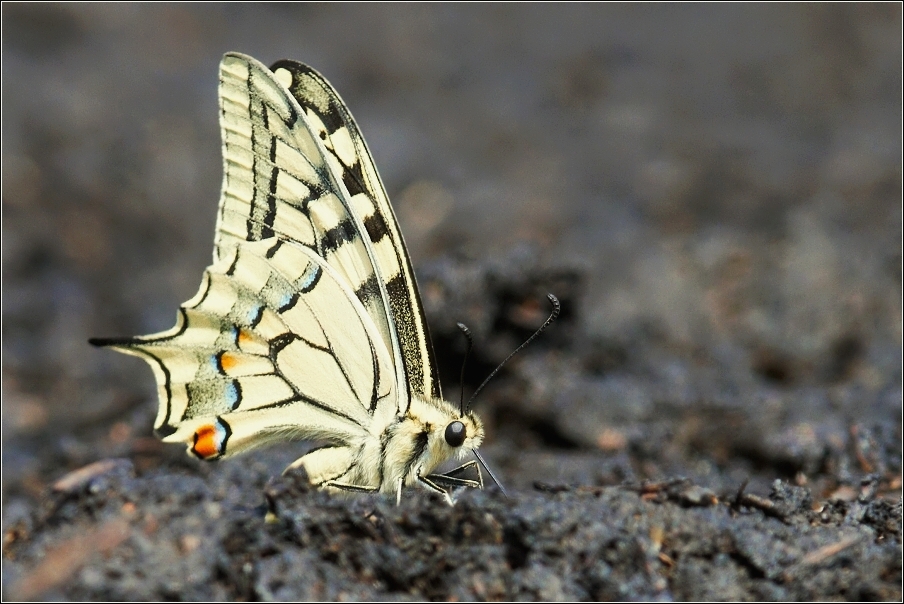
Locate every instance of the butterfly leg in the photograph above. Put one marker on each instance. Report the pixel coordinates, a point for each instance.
(458, 476)
(352, 488)
(454, 479)
(428, 482)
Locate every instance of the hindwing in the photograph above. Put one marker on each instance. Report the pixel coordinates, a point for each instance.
(273, 345)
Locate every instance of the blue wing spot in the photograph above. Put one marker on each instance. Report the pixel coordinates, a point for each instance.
(289, 301)
(255, 313)
(309, 279)
(232, 394)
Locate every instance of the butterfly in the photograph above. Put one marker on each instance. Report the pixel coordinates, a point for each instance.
(308, 324)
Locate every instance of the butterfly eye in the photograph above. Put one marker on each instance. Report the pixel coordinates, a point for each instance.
(455, 434)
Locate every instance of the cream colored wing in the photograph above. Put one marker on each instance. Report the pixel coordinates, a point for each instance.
(296, 165)
(274, 345)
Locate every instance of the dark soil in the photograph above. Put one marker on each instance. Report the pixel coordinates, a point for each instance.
(714, 193)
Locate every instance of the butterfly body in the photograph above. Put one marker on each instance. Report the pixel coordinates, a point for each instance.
(406, 450)
(308, 324)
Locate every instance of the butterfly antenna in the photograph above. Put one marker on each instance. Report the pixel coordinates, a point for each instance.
(467, 333)
(461, 403)
(556, 307)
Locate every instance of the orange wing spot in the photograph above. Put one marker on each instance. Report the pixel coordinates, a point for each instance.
(206, 442)
(228, 361)
(245, 337)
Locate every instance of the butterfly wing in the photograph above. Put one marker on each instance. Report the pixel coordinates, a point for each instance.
(308, 323)
(348, 156)
(273, 345)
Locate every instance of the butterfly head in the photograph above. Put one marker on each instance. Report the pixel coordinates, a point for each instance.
(444, 432)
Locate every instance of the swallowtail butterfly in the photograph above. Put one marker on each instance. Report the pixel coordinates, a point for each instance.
(308, 324)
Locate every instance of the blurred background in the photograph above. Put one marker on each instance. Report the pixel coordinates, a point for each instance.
(713, 191)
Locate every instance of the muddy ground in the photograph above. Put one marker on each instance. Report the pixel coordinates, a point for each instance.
(713, 192)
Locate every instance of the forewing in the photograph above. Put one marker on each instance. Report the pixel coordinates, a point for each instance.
(274, 345)
(350, 164)
(283, 177)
